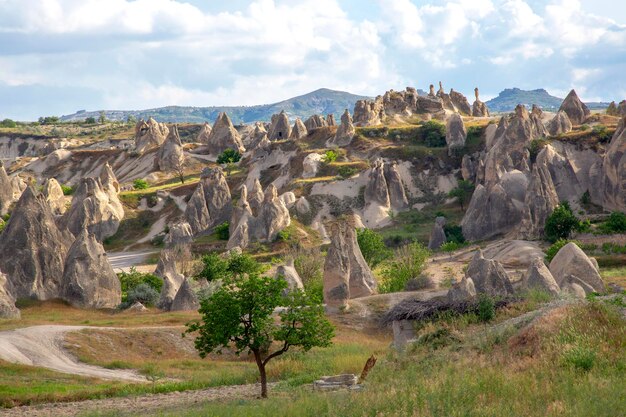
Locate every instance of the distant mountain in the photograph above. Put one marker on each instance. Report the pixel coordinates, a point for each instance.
(511, 97)
(322, 101)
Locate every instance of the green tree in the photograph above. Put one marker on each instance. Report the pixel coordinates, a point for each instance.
(406, 265)
(561, 223)
(239, 315)
(372, 247)
(330, 156)
(140, 184)
(8, 123)
(103, 117)
(131, 119)
(216, 267)
(463, 192)
(616, 223)
(133, 278)
(433, 134)
(222, 231)
(90, 120)
(229, 158)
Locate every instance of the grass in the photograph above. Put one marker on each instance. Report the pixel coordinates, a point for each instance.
(532, 372)
(417, 224)
(614, 275)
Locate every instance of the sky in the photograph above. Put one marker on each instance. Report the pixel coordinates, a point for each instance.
(60, 56)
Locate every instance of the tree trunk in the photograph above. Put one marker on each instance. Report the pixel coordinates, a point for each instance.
(261, 366)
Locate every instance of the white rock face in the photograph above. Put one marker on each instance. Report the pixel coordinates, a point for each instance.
(539, 277)
(310, 165)
(455, 132)
(571, 261)
(345, 132)
(7, 301)
(53, 193)
(211, 203)
(171, 156)
(288, 273)
(149, 135)
(224, 136)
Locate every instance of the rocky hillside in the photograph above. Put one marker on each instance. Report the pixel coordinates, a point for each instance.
(511, 97)
(322, 101)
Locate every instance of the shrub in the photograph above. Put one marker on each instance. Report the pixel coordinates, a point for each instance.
(463, 192)
(67, 190)
(580, 357)
(372, 247)
(585, 199)
(143, 293)
(486, 308)
(330, 156)
(132, 279)
(616, 223)
(556, 247)
(309, 263)
(2, 225)
(346, 171)
(454, 233)
(535, 147)
(407, 264)
(602, 133)
(48, 120)
(222, 231)
(8, 123)
(561, 223)
(229, 156)
(214, 267)
(433, 134)
(90, 120)
(140, 184)
(451, 246)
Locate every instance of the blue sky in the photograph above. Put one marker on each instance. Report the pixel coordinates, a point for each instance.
(59, 56)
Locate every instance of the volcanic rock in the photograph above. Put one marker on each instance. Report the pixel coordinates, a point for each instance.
(224, 136)
(6, 191)
(576, 110)
(280, 128)
(210, 203)
(172, 279)
(7, 301)
(462, 291)
(315, 122)
(560, 124)
(438, 235)
(330, 120)
(186, 299)
(256, 197)
(479, 109)
(171, 156)
(311, 164)
(489, 276)
(571, 260)
(299, 130)
(180, 233)
(53, 193)
(345, 132)
(205, 133)
(455, 132)
(149, 135)
(368, 113)
(290, 275)
(460, 103)
(538, 277)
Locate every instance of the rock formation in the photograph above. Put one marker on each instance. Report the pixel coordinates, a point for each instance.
(462, 291)
(368, 113)
(299, 130)
(172, 279)
(330, 120)
(395, 187)
(613, 171)
(149, 135)
(315, 122)
(180, 233)
(224, 136)
(538, 277)
(171, 156)
(445, 99)
(290, 275)
(536, 115)
(345, 132)
(210, 204)
(53, 193)
(88, 278)
(6, 191)
(346, 274)
(186, 299)
(280, 128)
(460, 103)
(96, 207)
(311, 164)
(256, 197)
(33, 249)
(560, 124)
(205, 134)
(438, 235)
(479, 109)
(383, 191)
(570, 261)
(489, 276)
(303, 206)
(455, 133)
(612, 109)
(576, 110)
(7, 301)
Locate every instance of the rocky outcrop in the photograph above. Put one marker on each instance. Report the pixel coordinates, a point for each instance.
(180, 233)
(346, 274)
(460, 103)
(149, 135)
(88, 278)
(541, 198)
(538, 277)
(489, 276)
(479, 109)
(171, 156)
(330, 120)
(186, 299)
(383, 191)
(239, 235)
(6, 191)
(33, 249)
(303, 206)
(569, 261)
(560, 124)
(224, 136)
(280, 128)
(109, 182)
(462, 291)
(211, 203)
(172, 279)
(311, 164)
(395, 187)
(256, 197)
(96, 207)
(438, 235)
(455, 133)
(376, 189)
(8, 310)
(368, 113)
(536, 115)
(613, 172)
(288, 273)
(345, 132)
(315, 122)
(576, 110)
(611, 110)
(299, 130)
(204, 134)
(53, 193)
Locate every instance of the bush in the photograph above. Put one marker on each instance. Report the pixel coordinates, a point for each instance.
(142, 293)
(132, 279)
(561, 223)
(535, 147)
(407, 264)
(2, 225)
(372, 247)
(8, 123)
(67, 190)
(602, 133)
(48, 120)
(463, 192)
(140, 184)
(229, 156)
(90, 120)
(486, 308)
(556, 247)
(433, 134)
(580, 357)
(222, 231)
(585, 199)
(283, 236)
(616, 223)
(451, 246)
(214, 267)
(309, 263)
(346, 171)
(454, 233)
(330, 156)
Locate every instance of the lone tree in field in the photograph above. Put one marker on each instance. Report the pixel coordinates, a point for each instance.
(240, 315)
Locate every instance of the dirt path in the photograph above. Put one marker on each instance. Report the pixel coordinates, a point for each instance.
(123, 261)
(43, 346)
(143, 405)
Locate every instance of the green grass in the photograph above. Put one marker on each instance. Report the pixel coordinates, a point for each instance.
(417, 224)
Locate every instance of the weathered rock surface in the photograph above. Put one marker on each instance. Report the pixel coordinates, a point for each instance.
(256, 197)
(172, 279)
(7, 301)
(211, 203)
(368, 113)
(315, 122)
(180, 233)
(612, 109)
(303, 206)
(455, 132)
(613, 172)
(437, 236)
(171, 156)
(346, 274)
(149, 135)
(576, 110)
(395, 186)
(330, 120)
(462, 291)
(224, 136)
(539, 277)
(571, 260)
(311, 164)
(479, 109)
(460, 103)
(53, 193)
(560, 124)
(186, 299)
(280, 128)
(489, 276)
(6, 191)
(88, 278)
(204, 134)
(33, 249)
(299, 130)
(345, 132)
(290, 275)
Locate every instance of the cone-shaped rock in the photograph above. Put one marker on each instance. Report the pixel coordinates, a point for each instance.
(571, 260)
(7, 301)
(489, 276)
(204, 134)
(273, 216)
(538, 277)
(224, 136)
(576, 110)
(186, 299)
(299, 130)
(172, 280)
(210, 204)
(256, 196)
(438, 235)
(280, 128)
(171, 156)
(560, 124)
(462, 291)
(455, 132)
(290, 275)
(345, 132)
(149, 135)
(315, 122)
(53, 193)
(6, 191)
